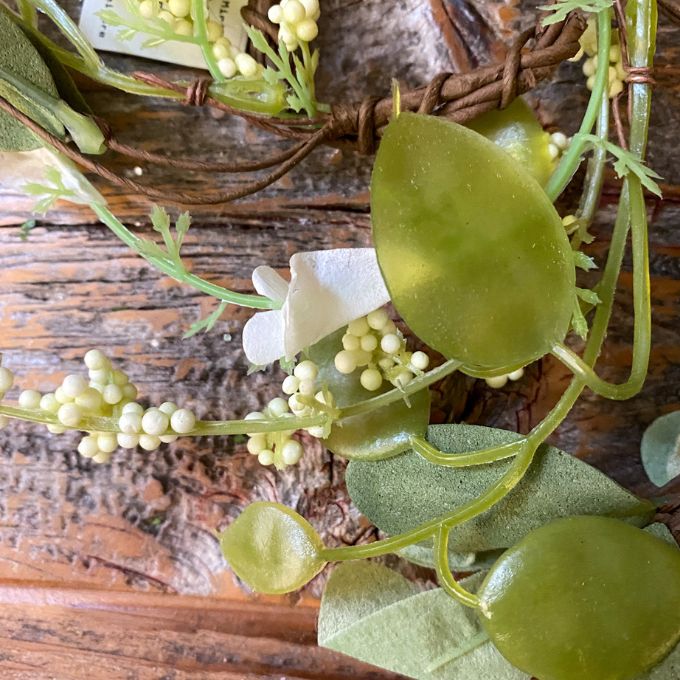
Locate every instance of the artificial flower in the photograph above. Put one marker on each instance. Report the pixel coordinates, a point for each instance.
(327, 290)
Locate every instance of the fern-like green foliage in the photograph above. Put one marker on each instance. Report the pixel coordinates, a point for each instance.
(173, 240)
(207, 323)
(561, 9)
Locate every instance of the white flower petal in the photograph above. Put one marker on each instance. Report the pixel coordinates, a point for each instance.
(19, 168)
(263, 338)
(270, 283)
(328, 289)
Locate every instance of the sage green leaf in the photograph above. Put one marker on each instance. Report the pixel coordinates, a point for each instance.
(473, 253)
(403, 492)
(382, 433)
(372, 614)
(660, 449)
(669, 668)
(18, 56)
(422, 555)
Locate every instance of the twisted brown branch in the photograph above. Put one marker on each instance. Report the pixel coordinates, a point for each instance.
(458, 97)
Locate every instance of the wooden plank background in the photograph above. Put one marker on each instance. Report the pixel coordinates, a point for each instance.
(116, 567)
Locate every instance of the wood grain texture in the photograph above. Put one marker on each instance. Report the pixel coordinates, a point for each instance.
(143, 526)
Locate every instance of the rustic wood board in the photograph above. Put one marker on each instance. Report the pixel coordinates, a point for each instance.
(92, 557)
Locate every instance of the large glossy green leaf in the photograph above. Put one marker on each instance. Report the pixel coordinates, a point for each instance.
(517, 131)
(375, 615)
(660, 449)
(382, 433)
(19, 57)
(400, 493)
(473, 253)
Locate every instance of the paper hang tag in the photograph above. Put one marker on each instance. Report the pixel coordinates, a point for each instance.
(105, 37)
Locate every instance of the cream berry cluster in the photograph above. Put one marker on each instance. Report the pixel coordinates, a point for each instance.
(616, 74)
(374, 344)
(296, 20)
(274, 448)
(107, 394)
(177, 14)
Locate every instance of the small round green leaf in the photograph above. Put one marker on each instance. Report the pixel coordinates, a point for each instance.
(660, 449)
(516, 130)
(584, 597)
(473, 253)
(272, 548)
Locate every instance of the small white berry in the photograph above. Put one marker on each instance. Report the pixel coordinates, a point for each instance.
(256, 415)
(180, 8)
(311, 7)
(155, 422)
(420, 361)
(497, 381)
(257, 444)
(306, 370)
(74, 385)
(127, 441)
(227, 67)
(377, 319)
(6, 379)
(386, 364)
(291, 452)
(316, 431)
(290, 385)
(221, 51)
(297, 406)
(516, 375)
(61, 396)
(403, 378)
(559, 139)
(133, 407)
(246, 65)
(369, 343)
(101, 457)
(70, 415)
(149, 442)
(275, 14)
(107, 442)
(49, 403)
(56, 429)
(89, 400)
(147, 9)
(553, 151)
(184, 27)
(215, 30)
(293, 11)
(168, 407)
(277, 407)
(30, 399)
(350, 342)
(112, 394)
(100, 375)
(182, 421)
(96, 360)
(306, 387)
(390, 344)
(168, 438)
(345, 362)
(307, 30)
(119, 378)
(87, 446)
(358, 327)
(166, 16)
(129, 392)
(371, 379)
(265, 457)
(130, 423)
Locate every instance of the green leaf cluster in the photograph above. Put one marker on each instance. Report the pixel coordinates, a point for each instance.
(561, 8)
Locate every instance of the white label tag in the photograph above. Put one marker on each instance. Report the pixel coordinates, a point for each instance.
(105, 37)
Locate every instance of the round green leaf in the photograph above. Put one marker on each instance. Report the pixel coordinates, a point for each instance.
(401, 493)
(584, 597)
(516, 130)
(20, 58)
(473, 253)
(660, 449)
(382, 433)
(273, 549)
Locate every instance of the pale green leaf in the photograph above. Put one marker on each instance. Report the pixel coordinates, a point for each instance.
(422, 555)
(373, 614)
(578, 321)
(660, 449)
(583, 261)
(589, 296)
(401, 493)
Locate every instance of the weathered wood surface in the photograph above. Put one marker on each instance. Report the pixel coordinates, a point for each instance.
(144, 523)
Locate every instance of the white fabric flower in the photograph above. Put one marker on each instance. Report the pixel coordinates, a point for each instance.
(327, 290)
(19, 168)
